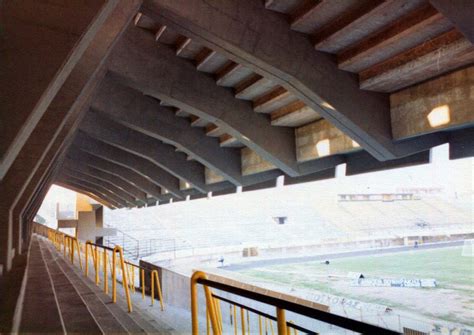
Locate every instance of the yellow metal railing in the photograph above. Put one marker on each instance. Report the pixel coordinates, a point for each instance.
(214, 319)
(105, 260)
(155, 286)
(210, 305)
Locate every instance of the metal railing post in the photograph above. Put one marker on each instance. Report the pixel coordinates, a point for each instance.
(235, 320)
(124, 277)
(78, 244)
(143, 282)
(155, 279)
(242, 320)
(114, 277)
(106, 281)
(88, 247)
(97, 264)
(194, 304)
(71, 249)
(281, 321)
(64, 245)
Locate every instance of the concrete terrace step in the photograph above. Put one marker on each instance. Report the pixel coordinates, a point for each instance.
(104, 318)
(139, 321)
(39, 310)
(75, 314)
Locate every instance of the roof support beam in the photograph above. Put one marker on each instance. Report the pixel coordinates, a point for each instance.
(108, 186)
(91, 186)
(138, 61)
(163, 155)
(272, 50)
(106, 177)
(42, 145)
(460, 143)
(321, 164)
(142, 166)
(126, 174)
(145, 114)
(89, 194)
(459, 13)
(60, 180)
(57, 45)
(99, 188)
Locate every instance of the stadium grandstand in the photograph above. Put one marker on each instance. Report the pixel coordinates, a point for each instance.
(237, 167)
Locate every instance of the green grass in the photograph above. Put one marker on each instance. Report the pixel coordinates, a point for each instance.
(446, 265)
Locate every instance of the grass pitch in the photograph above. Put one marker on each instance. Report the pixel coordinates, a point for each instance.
(452, 300)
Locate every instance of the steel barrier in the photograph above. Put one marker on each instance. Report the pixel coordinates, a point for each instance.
(155, 286)
(103, 261)
(284, 327)
(214, 319)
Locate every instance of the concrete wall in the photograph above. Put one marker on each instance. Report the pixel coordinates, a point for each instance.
(411, 108)
(319, 139)
(83, 203)
(184, 185)
(212, 177)
(86, 227)
(252, 163)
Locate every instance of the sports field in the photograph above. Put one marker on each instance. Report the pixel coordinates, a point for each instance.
(452, 300)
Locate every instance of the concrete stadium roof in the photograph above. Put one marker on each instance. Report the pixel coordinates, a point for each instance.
(159, 100)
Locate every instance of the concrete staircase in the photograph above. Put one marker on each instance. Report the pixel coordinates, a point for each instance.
(59, 299)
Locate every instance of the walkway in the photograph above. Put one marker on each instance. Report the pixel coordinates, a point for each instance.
(58, 299)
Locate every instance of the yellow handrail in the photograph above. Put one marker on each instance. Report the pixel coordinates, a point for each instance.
(70, 244)
(142, 272)
(124, 277)
(281, 321)
(155, 279)
(86, 265)
(97, 265)
(242, 320)
(214, 318)
(106, 280)
(235, 320)
(209, 304)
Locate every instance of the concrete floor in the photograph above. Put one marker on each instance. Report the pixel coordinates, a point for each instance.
(59, 299)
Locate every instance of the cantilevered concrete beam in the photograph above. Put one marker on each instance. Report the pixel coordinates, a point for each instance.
(321, 164)
(460, 14)
(89, 194)
(99, 188)
(145, 114)
(272, 50)
(60, 180)
(108, 186)
(153, 68)
(106, 177)
(34, 158)
(91, 186)
(126, 174)
(146, 168)
(39, 33)
(163, 155)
